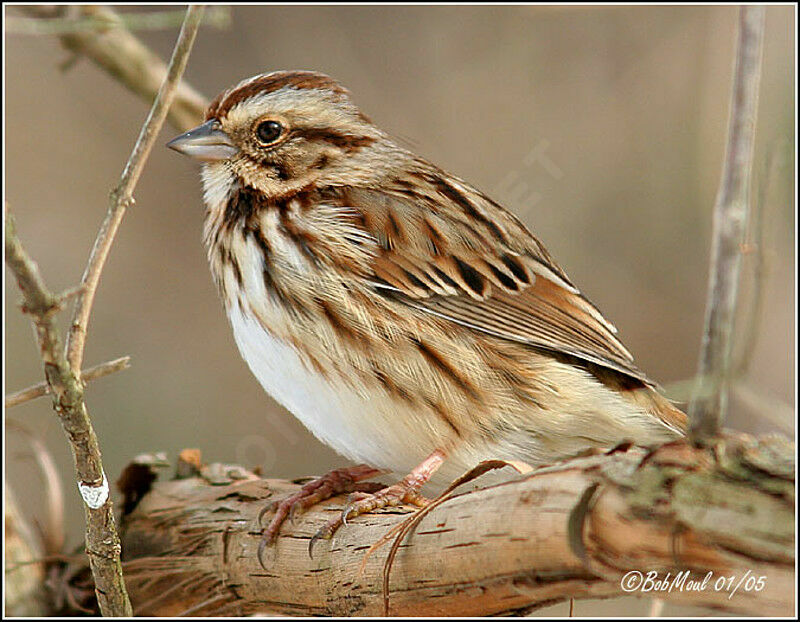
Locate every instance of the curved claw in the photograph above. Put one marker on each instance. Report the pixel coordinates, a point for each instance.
(270, 507)
(262, 547)
(312, 492)
(352, 501)
(295, 511)
(347, 510)
(317, 536)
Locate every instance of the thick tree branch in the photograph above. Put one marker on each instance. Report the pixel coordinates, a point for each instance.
(126, 58)
(573, 530)
(707, 408)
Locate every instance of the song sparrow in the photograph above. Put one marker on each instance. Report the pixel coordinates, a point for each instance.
(403, 316)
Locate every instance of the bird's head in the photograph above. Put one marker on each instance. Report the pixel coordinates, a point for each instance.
(280, 132)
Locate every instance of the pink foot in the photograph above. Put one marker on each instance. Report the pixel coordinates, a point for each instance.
(329, 485)
(405, 491)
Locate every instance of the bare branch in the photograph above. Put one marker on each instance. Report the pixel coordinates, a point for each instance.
(62, 367)
(216, 17)
(730, 219)
(127, 59)
(93, 373)
(102, 541)
(122, 195)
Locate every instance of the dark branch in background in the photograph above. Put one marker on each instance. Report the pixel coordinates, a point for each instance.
(127, 59)
(62, 367)
(707, 408)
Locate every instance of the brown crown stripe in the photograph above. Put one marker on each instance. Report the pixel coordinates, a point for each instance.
(270, 82)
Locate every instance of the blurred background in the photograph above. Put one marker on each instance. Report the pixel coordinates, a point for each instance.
(602, 127)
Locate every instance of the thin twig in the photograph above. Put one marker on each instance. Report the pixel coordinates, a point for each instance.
(122, 195)
(102, 540)
(93, 373)
(125, 58)
(216, 17)
(730, 218)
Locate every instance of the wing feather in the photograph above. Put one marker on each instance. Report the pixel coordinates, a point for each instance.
(447, 250)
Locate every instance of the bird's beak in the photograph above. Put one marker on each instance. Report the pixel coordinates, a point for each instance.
(206, 142)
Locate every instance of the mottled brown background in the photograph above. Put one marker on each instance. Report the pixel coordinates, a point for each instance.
(602, 127)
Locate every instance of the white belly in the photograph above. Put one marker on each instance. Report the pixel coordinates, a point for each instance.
(365, 427)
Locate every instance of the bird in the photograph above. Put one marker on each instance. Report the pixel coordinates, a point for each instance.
(407, 319)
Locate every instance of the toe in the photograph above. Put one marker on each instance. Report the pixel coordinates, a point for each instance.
(324, 533)
(311, 493)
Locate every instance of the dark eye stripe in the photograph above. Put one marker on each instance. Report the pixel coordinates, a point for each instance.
(348, 142)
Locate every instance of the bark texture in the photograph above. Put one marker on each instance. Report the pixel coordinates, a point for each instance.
(572, 530)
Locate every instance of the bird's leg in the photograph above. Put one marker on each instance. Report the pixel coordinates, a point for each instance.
(405, 491)
(336, 482)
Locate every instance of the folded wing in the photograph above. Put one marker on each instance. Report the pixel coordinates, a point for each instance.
(448, 250)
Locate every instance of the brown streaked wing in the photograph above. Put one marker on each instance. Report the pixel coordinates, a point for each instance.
(530, 319)
(437, 258)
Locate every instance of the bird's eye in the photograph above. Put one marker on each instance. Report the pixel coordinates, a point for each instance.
(269, 131)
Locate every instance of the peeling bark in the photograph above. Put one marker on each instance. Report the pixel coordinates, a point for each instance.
(572, 530)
